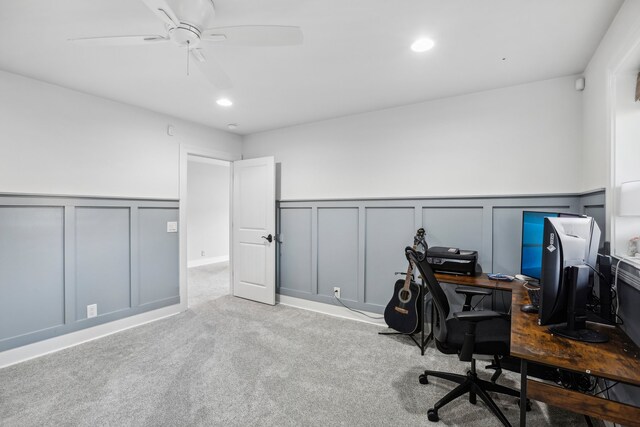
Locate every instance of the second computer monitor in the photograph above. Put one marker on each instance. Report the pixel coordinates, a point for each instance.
(568, 241)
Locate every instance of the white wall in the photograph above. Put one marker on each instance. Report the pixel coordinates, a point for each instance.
(59, 141)
(518, 140)
(627, 149)
(598, 169)
(208, 211)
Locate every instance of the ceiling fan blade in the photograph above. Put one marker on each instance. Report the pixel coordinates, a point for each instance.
(120, 40)
(211, 70)
(163, 11)
(254, 35)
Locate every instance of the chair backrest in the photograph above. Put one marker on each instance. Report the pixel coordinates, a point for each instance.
(440, 302)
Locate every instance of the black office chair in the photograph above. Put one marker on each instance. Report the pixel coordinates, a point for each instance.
(470, 334)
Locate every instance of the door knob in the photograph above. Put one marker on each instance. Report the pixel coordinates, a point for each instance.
(268, 238)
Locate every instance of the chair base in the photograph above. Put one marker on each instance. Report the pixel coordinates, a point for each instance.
(469, 383)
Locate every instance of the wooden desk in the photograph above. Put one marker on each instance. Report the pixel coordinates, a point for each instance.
(618, 359)
(481, 281)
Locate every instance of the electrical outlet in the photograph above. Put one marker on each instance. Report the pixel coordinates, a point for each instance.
(92, 310)
(201, 253)
(336, 292)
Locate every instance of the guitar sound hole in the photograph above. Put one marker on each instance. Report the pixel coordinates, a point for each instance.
(404, 296)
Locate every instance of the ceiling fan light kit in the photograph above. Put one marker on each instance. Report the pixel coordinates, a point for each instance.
(187, 24)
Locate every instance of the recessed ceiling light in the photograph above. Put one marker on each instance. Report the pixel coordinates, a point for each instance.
(224, 102)
(232, 126)
(422, 45)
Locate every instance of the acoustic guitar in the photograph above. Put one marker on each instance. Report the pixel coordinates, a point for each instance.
(402, 313)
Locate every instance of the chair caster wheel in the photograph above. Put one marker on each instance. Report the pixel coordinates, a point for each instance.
(423, 379)
(528, 404)
(432, 414)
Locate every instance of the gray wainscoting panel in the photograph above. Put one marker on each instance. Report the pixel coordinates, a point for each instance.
(466, 234)
(295, 250)
(31, 269)
(102, 260)
(320, 251)
(388, 232)
(338, 252)
(59, 254)
(158, 262)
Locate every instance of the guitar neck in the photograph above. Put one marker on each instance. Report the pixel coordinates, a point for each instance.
(407, 280)
(416, 240)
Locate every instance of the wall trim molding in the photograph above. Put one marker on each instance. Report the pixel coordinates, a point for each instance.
(86, 196)
(329, 309)
(52, 345)
(418, 198)
(207, 261)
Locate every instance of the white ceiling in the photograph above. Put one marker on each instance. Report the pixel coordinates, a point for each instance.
(355, 56)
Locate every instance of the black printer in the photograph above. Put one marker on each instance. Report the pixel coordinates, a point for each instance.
(453, 261)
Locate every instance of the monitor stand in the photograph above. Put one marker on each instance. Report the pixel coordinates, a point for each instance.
(596, 318)
(577, 277)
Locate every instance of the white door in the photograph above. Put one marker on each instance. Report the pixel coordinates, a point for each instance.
(254, 223)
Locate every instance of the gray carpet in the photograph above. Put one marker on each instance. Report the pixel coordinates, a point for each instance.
(234, 362)
(207, 282)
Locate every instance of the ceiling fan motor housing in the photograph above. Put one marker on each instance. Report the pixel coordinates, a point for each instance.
(194, 15)
(185, 34)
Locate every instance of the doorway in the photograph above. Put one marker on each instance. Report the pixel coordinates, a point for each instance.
(208, 229)
(251, 270)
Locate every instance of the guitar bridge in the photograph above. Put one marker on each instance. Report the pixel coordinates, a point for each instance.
(401, 310)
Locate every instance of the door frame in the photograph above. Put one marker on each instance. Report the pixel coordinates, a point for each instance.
(185, 152)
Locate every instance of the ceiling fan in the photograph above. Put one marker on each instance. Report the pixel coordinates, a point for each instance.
(188, 25)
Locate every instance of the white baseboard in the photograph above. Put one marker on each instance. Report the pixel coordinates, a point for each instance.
(207, 261)
(31, 351)
(329, 309)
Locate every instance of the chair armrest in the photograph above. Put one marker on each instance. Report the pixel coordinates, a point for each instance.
(469, 293)
(476, 316)
(472, 317)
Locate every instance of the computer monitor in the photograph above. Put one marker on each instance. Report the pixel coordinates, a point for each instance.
(570, 249)
(532, 239)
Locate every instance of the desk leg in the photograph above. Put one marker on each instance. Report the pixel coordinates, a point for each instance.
(523, 393)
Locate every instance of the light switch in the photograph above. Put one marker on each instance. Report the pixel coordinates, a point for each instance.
(172, 226)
